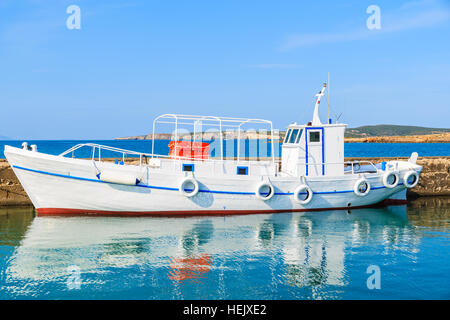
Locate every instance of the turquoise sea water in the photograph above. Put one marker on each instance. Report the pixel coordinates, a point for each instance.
(161, 147)
(317, 255)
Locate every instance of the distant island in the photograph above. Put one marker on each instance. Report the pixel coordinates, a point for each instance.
(390, 130)
(426, 138)
(377, 133)
(387, 133)
(4, 138)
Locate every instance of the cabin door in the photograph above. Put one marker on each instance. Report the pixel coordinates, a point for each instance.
(314, 150)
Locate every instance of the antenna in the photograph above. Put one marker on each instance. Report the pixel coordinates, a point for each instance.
(329, 119)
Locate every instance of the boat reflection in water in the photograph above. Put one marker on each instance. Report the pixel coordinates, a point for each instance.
(191, 268)
(317, 255)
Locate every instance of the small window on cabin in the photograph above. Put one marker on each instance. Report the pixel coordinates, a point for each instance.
(293, 136)
(188, 167)
(286, 138)
(299, 136)
(242, 171)
(314, 136)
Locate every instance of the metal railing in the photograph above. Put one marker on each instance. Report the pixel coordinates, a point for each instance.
(361, 166)
(212, 121)
(356, 166)
(96, 153)
(97, 150)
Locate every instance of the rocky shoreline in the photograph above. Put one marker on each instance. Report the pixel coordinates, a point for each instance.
(428, 138)
(435, 180)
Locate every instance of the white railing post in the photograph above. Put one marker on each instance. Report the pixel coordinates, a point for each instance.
(271, 142)
(239, 142)
(176, 137)
(221, 139)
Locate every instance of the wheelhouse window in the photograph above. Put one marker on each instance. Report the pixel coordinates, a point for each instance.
(299, 136)
(293, 136)
(286, 138)
(314, 136)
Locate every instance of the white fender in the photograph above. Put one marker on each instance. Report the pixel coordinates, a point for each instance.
(183, 184)
(386, 177)
(264, 185)
(358, 184)
(302, 188)
(113, 176)
(407, 176)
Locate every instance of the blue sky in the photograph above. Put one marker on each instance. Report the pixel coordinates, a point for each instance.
(133, 60)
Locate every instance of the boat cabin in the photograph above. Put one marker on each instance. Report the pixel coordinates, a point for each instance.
(313, 150)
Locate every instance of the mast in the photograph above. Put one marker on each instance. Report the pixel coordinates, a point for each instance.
(316, 119)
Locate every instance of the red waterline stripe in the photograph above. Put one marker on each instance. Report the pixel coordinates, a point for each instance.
(77, 212)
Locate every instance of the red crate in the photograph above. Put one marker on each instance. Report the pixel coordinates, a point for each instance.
(189, 150)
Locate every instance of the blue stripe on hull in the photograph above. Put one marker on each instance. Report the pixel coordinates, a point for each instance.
(176, 189)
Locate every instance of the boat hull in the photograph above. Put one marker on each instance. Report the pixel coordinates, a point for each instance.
(65, 186)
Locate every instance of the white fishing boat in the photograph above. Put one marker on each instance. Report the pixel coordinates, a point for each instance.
(202, 178)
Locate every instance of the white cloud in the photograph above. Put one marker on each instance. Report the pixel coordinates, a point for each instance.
(312, 39)
(421, 20)
(418, 3)
(412, 15)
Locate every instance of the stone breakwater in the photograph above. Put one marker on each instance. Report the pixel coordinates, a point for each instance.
(11, 191)
(434, 181)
